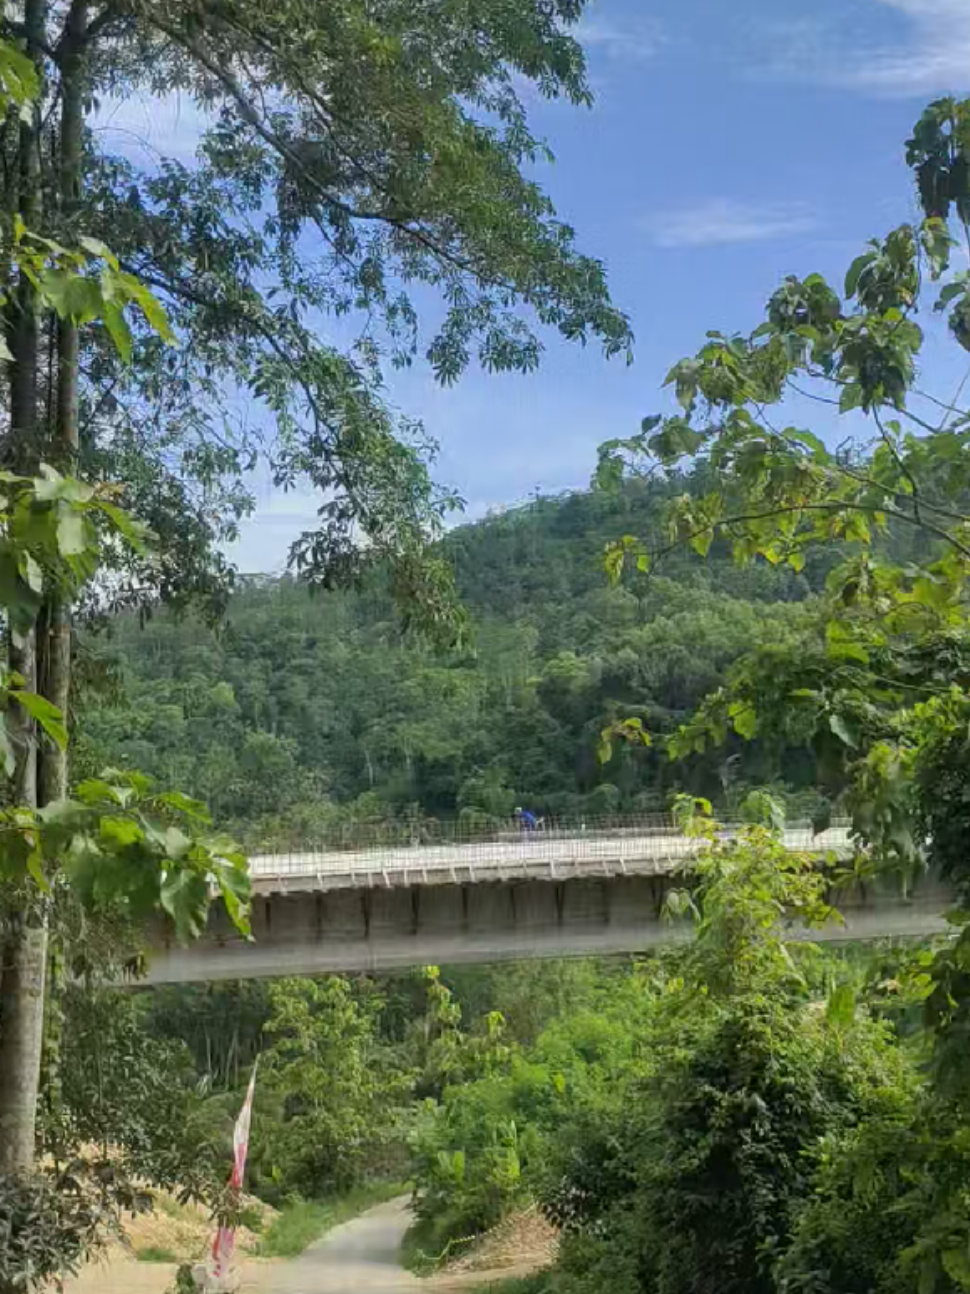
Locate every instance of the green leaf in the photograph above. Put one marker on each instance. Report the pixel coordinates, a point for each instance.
(51, 485)
(95, 790)
(842, 728)
(120, 831)
(19, 83)
(60, 812)
(177, 843)
(185, 804)
(744, 718)
(956, 1264)
(183, 895)
(45, 713)
(852, 397)
(151, 307)
(35, 866)
(232, 878)
(855, 272)
(809, 439)
(614, 561)
(97, 248)
(958, 288)
(71, 294)
(32, 573)
(701, 542)
(841, 645)
(73, 532)
(133, 531)
(117, 326)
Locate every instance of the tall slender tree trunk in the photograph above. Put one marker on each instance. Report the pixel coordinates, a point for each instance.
(23, 954)
(54, 645)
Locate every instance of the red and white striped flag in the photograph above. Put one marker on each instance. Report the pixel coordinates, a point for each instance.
(225, 1240)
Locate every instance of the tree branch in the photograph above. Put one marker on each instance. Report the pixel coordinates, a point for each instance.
(842, 506)
(249, 114)
(891, 445)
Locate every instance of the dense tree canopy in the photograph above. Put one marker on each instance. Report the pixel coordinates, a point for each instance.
(306, 713)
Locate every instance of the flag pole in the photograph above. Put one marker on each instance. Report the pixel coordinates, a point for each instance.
(224, 1241)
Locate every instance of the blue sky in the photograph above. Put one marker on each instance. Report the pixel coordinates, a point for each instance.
(732, 142)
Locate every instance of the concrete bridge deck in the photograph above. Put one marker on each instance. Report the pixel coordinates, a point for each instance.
(544, 895)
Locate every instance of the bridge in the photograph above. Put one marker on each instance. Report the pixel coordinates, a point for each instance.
(576, 891)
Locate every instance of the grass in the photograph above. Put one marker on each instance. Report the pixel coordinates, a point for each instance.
(155, 1254)
(300, 1222)
(168, 1205)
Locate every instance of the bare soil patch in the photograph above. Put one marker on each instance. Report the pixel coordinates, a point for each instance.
(522, 1243)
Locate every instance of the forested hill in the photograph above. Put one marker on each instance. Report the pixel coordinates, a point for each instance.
(306, 711)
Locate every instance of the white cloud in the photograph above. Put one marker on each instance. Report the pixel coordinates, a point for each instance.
(265, 537)
(719, 221)
(928, 53)
(936, 58)
(636, 41)
(145, 128)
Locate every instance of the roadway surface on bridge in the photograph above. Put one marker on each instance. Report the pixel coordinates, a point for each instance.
(540, 854)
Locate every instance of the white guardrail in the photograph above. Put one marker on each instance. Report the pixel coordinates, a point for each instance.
(544, 853)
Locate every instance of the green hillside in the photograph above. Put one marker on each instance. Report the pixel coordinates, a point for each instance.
(305, 711)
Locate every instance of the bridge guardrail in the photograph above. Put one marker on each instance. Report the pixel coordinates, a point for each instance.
(545, 853)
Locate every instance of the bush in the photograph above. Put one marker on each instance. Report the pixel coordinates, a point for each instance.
(693, 1185)
(50, 1223)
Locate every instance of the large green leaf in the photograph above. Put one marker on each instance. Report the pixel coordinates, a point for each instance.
(45, 713)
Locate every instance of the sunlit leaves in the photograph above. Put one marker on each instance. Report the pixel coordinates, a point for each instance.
(49, 544)
(744, 719)
(887, 276)
(629, 730)
(43, 712)
(69, 282)
(899, 478)
(121, 846)
(622, 551)
(841, 1007)
(49, 538)
(19, 83)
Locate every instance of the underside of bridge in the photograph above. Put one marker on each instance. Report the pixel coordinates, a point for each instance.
(380, 928)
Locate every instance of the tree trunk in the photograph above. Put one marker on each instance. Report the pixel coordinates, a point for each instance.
(54, 645)
(22, 1013)
(23, 955)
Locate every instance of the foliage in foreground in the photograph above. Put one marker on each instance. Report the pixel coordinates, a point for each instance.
(693, 1132)
(877, 687)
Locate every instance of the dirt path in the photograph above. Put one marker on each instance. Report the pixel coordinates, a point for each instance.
(358, 1257)
(361, 1255)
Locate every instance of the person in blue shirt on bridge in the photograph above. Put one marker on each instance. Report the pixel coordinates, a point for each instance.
(526, 820)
